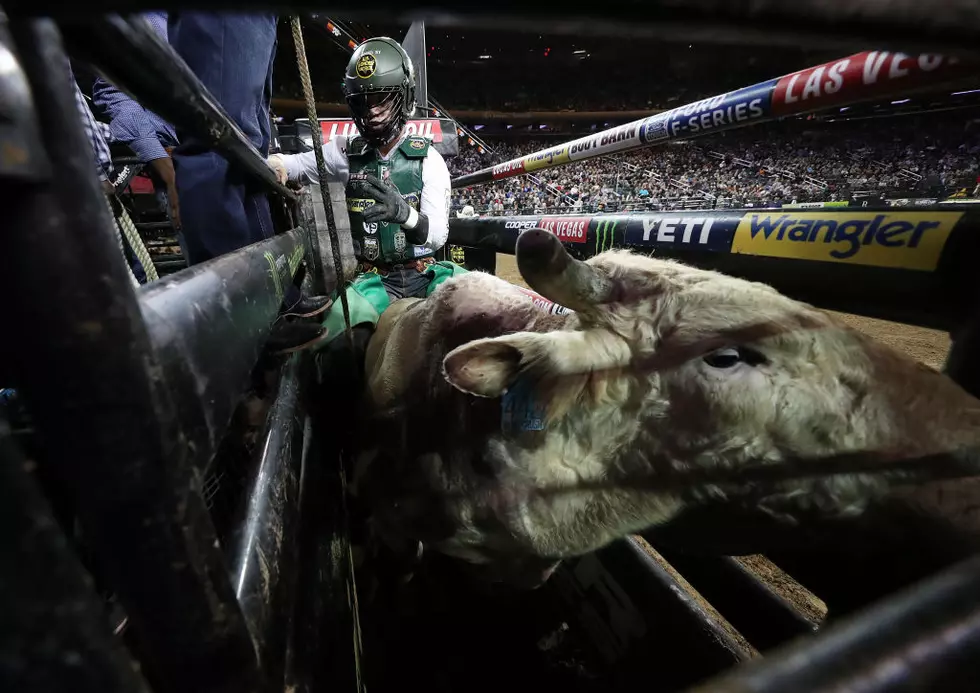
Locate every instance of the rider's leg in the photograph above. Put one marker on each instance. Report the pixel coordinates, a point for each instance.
(407, 282)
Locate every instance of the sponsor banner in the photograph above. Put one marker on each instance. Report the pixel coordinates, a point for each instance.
(430, 128)
(682, 231)
(618, 138)
(552, 156)
(815, 205)
(608, 230)
(901, 239)
(857, 76)
(508, 168)
(521, 224)
(568, 229)
(913, 202)
(543, 303)
(720, 112)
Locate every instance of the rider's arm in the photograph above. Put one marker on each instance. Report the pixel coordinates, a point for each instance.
(301, 168)
(435, 199)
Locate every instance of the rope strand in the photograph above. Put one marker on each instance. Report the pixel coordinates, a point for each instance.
(321, 166)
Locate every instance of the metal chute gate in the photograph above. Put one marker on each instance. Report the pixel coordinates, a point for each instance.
(134, 399)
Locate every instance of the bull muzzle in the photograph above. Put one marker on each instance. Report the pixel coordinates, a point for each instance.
(548, 269)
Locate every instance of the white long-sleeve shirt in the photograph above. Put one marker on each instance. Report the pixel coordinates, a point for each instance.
(436, 184)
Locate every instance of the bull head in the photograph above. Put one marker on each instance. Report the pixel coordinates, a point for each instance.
(668, 370)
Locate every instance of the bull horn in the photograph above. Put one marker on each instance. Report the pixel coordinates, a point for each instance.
(548, 269)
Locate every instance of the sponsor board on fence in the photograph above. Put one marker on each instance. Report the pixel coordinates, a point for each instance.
(901, 239)
(720, 112)
(543, 303)
(568, 229)
(430, 128)
(608, 230)
(865, 73)
(521, 224)
(682, 231)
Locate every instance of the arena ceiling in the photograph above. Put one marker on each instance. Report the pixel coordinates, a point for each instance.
(488, 53)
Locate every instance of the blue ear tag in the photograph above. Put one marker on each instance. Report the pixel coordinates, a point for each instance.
(519, 410)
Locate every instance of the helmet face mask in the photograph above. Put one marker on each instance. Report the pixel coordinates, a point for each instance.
(379, 86)
(378, 115)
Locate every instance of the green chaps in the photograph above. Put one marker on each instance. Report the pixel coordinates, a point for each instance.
(367, 298)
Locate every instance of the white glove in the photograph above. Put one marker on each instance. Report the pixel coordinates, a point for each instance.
(277, 164)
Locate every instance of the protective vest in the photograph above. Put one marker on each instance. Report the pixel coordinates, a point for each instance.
(382, 241)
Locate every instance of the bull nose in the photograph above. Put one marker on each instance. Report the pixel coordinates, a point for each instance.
(539, 250)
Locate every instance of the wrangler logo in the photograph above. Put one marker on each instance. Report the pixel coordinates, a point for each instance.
(357, 204)
(906, 240)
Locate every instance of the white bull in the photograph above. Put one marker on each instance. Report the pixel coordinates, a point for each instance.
(511, 437)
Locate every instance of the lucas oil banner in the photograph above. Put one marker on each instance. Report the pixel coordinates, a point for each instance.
(441, 132)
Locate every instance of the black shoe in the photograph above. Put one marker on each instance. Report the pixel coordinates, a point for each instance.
(308, 307)
(288, 336)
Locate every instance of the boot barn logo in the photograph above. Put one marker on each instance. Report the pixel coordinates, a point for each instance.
(429, 128)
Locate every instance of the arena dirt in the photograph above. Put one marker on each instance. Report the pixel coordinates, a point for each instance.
(928, 346)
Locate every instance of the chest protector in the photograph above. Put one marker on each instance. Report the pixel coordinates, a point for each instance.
(382, 241)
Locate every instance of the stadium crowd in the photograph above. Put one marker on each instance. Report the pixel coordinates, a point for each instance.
(792, 161)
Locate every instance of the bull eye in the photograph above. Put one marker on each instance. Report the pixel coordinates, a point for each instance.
(729, 357)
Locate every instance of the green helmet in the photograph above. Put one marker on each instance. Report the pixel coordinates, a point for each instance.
(380, 89)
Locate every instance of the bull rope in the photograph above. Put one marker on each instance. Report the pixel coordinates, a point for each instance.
(136, 243)
(321, 167)
(119, 243)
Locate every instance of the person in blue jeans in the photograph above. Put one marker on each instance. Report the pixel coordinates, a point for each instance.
(222, 208)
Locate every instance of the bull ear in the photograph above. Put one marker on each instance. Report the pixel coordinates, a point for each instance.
(486, 367)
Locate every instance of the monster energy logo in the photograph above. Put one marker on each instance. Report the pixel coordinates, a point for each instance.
(282, 269)
(295, 259)
(605, 234)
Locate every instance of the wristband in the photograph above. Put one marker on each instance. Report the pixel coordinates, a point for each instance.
(413, 219)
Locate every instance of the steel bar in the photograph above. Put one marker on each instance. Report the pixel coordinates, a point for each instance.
(133, 57)
(208, 323)
(265, 547)
(763, 617)
(88, 373)
(836, 24)
(54, 634)
(925, 639)
(646, 620)
(852, 79)
(22, 155)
